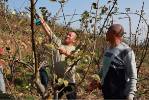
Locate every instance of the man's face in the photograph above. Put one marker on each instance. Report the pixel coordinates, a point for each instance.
(70, 37)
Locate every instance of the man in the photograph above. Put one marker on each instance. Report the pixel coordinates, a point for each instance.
(59, 57)
(119, 74)
(2, 83)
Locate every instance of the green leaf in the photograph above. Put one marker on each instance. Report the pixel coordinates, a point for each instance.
(21, 22)
(116, 9)
(50, 45)
(65, 83)
(62, 1)
(78, 47)
(96, 77)
(94, 5)
(115, 3)
(92, 53)
(87, 58)
(127, 9)
(76, 55)
(108, 2)
(72, 87)
(60, 63)
(84, 47)
(110, 15)
(42, 7)
(80, 52)
(82, 91)
(69, 62)
(78, 76)
(60, 81)
(40, 40)
(51, 96)
(91, 21)
(30, 84)
(26, 86)
(142, 10)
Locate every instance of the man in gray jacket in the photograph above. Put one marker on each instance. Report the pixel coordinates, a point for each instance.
(119, 74)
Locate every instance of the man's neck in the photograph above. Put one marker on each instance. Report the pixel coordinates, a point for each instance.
(115, 43)
(69, 44)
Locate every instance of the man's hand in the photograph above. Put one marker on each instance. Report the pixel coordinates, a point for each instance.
(39, 17)
(62, 50)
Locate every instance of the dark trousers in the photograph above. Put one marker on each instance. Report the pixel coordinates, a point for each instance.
(69, 88)
(44, 76)
(106, 97)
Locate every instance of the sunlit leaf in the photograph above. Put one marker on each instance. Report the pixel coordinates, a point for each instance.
(60, 63)
(29, 15)
(40, 40)
(92, 65)
(21, 22)
(80, 52)
(82, 91)
(72, 87)
(76, 55)
(51, 96)
(87, 58)
(78, 76)
(65, 83)
(13, 12)
(30, 84)
(51, 45)
(96, 77)
(108, 2)
(60, 81)
(21, 14)
(69, 62)
(93, 53)
(26, 86)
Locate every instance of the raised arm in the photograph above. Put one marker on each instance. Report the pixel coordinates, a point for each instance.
(44, 25)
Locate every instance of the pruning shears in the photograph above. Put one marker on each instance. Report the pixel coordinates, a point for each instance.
(90, 88)
(37, 21)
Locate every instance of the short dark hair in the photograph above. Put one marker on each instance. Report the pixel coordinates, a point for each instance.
(121, 29)
(75, 33)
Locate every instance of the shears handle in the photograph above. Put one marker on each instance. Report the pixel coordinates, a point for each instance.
(37, 20)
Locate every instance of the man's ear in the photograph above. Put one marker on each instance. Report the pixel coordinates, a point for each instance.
(115, 32)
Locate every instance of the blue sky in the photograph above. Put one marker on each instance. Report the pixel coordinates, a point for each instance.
(81, 5)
